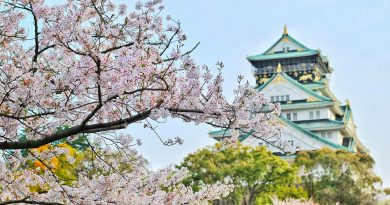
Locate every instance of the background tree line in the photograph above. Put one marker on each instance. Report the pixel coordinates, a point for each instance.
(325, 176)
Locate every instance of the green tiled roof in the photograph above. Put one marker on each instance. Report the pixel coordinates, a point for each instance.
(217, 134)
(316, 85)
(220, 133)
(282, 55)
(290, 38)
(267, 55)
(347, 114)
(345, 118)
(304, 105)
(320, 125)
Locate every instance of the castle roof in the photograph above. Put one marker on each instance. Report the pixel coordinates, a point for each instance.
(220, 134)
(285, 47)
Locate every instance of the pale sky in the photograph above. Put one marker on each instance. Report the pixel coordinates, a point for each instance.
(355, 35)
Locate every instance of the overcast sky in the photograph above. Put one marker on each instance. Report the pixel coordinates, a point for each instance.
(355, 35)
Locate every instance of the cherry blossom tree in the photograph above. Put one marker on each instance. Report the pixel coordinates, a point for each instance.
(92, 67)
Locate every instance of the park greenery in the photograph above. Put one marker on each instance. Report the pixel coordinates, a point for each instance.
(257, 174)
(325, 176)
(331, 177)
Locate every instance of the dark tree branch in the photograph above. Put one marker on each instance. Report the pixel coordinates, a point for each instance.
(118, 47)
(36, 34)
(27, 144)
(185, 54)
(26, 201)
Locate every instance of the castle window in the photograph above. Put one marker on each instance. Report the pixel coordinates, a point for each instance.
(329, 135)
(277, 98)
(289, 116)
(282, 98)
(346, 142)
(272, 99)
(287, 97)
(291, 143)
(295, 116)
(323, 134)
(311, 115)
(318, 114)
(261, 144)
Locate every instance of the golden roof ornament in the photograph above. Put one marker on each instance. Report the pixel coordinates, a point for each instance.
(285, 30)
(279, 68)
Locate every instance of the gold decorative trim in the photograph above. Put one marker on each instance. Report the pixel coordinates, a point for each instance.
(285, 30)
(279, 68)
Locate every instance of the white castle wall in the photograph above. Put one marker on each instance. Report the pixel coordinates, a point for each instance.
(325, 113)
(333, 136)
(282, 89)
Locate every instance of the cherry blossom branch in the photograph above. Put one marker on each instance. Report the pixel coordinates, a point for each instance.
(107, 68)
(26, 144)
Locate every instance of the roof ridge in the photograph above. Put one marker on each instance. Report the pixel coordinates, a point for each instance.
(282, 55)
(297, 42)
(305, 48)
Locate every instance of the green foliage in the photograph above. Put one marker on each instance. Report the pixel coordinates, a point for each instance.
(331, 177)
(256, 174)
(79, 157)
(65, 167)
(386, 190)
(65, 170)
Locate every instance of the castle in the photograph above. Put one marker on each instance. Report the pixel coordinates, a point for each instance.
(311, 117)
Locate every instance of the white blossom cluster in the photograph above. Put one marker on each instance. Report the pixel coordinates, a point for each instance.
(94, 67)
(137, 186)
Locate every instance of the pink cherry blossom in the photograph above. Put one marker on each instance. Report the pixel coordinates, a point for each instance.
(95, 68)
